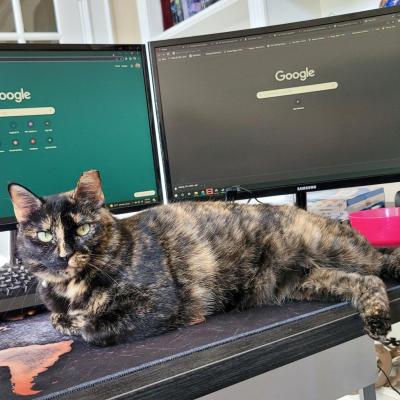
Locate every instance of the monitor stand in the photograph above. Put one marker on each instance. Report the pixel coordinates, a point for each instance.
(301, 200)
(19, 293)
(13, 247)
(397, 199)
(12, 259)
(301, 197)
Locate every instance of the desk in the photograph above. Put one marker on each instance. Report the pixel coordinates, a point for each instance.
(190, 362)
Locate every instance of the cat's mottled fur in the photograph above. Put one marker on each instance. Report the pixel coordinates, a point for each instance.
(173, 265)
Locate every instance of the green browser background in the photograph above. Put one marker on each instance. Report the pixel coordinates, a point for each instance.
(101, 122)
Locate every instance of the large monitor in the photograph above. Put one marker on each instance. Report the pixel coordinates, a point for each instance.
(66, 109)
(283, 109)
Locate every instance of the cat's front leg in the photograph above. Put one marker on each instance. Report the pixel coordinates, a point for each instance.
(64, 324)
(367, 293)
(105, 329)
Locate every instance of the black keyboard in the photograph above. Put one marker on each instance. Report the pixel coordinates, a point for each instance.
(18, 289)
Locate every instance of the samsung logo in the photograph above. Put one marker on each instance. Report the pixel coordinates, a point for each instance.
(302, 188)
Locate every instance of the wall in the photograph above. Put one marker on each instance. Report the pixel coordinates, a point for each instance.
(390, 191)
(4, 247)
(336, 7)
(125, 21)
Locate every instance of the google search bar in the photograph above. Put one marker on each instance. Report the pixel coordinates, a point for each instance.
(319, 87)
(22, 112)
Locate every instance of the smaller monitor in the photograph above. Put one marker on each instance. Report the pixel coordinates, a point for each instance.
(65, 109)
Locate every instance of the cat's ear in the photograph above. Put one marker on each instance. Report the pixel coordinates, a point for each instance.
(89, 189)
(24, 201)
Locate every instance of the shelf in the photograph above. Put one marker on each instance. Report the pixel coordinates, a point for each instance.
(225, 15)
(222, 16)
(229, 15)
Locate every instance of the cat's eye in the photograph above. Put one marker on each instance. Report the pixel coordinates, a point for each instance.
(83, 229)
(44, 236)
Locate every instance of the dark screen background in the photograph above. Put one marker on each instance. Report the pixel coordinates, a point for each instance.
(219, 133)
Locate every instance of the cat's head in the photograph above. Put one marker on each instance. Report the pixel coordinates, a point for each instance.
(58, 236)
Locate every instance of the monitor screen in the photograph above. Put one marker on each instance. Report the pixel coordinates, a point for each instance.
(281, 109)
(65, 110)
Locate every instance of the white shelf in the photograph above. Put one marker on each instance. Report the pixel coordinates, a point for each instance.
(227, 15)
(222, 16)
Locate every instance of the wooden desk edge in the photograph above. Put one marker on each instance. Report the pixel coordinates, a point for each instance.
(205, 371)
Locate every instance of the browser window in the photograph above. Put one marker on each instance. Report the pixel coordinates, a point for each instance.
(65, 112)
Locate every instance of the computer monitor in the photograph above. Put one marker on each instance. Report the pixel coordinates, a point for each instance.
(282, 109)
(67, 109)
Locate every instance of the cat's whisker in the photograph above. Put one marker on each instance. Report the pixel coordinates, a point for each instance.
(103, 272)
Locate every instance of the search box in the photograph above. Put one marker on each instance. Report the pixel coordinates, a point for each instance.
(319, 87)
(23, 112)
(145, 194)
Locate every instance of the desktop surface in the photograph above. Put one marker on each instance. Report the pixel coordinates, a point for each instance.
(232, 347)
(65, 110)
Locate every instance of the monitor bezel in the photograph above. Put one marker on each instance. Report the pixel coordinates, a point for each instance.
(10, 223)
(305, 186)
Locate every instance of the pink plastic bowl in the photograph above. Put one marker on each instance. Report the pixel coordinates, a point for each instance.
(380, 226)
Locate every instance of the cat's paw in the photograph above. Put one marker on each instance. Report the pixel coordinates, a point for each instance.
(94, 333)
(62, 324)
(377, 324)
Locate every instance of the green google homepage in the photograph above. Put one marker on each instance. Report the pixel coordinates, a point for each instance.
(62, 113)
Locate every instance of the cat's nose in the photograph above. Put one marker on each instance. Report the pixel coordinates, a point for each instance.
(64, 250)
(65, 259)
(65, 254)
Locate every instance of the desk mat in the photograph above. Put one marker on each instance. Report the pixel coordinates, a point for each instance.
(37, 361)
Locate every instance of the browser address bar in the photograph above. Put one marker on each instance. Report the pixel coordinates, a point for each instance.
(319, 87)
(22, 112)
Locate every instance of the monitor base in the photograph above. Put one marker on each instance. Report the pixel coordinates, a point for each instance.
(301, 200)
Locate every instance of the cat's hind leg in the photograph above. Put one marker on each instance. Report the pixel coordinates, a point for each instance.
(367, 293)
(391, 263)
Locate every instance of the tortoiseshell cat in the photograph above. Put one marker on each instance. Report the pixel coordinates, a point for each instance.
(105, 279)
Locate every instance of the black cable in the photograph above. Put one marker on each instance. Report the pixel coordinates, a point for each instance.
(239, 188)
(388, 380)
(252, 194)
